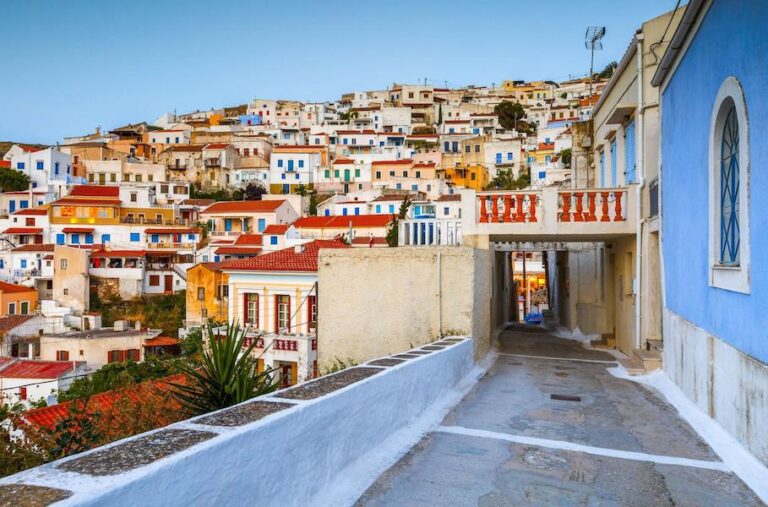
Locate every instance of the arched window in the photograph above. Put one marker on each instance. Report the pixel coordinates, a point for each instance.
(729, 190)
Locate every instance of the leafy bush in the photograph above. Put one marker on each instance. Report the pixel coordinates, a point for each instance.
(227, 374)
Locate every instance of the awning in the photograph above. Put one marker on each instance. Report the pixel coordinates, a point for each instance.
(23, 230)
(77, 230)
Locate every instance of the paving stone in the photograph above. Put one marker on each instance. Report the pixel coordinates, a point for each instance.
(405, 356)
(328, 384)
(244, 414)
(27, 495)
(386, 362)
(136, 453)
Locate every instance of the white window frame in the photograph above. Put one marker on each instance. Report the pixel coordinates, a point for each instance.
(731, 278)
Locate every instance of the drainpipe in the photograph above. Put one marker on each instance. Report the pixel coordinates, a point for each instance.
(439, 297)
(640, 160)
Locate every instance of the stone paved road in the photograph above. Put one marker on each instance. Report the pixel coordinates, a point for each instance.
(608, 442)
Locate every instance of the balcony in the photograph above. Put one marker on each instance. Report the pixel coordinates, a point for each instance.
(212, 162)
(169, 245)
(149, 221)
(550, 214)
(176, 166)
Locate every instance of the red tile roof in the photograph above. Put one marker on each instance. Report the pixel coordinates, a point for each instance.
(161, 341)
(366, 241)
(545, 146)
(342, 161)
(99, 403)
(36, 369)
(276, 229)
(237, 250)
(12, 287)
(336, 222)
(287, 259)
(251, 239)
(30, 149)
(449, 197)
(94, 191)
(241, 207)
(66, 201)
(77, 230)
(216, 146)
(197, 202)
(35, 248)
(11, 321)
(5, 163)
(22, 230)
(32, 211)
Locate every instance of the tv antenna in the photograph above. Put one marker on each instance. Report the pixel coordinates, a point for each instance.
(592, 42)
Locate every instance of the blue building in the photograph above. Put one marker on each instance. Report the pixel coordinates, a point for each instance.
(714, 158)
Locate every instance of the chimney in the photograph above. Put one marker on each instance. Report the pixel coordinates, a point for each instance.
(298, 249)
(137, 325)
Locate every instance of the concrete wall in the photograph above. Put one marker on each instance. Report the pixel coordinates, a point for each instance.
(728, 385)
(322, 451)
(374, 302)
(70, 278)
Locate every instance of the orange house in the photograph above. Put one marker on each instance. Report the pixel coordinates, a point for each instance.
(17, 299)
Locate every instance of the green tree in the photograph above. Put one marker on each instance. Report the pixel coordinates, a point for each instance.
(12, 180)
(505, 180)
(312, 205)
(509, 113)
(227, 374)
(608, 71)
(392, 229)
(565, 156)
(301, 189)
(253, 192)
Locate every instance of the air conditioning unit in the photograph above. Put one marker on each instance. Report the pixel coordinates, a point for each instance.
(586, 142)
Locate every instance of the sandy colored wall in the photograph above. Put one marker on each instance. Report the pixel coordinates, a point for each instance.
(374, 302)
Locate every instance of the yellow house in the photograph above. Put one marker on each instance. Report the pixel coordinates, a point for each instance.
(207, 294)
(544, 153)
(473, 176)
(98, 205)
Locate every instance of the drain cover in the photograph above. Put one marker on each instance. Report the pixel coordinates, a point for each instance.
(565, 397)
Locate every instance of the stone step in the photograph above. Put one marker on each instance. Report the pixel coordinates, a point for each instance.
(655, 345)
(650, 359)
(633, 365)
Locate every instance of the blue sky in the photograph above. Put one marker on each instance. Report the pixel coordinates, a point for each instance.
(72, 65)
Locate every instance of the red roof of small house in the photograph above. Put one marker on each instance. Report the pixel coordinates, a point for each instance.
(250, 239)
(276, 229)
(290, 147)
(47, 247)
(287, 259)
(22, 230)
(12, 287)
(456, 121)
(76, 230)
(99, 403)
(449, 197)
(237, 250)
(335, 222)
(161, 341)
(186, 230)
(545, 146)
(30, 149)
(405, 161)
(32, 211)
(94, 191)
(244, 206)
(343, 161)
(216, 146)
(5, 163)
(197, 202)
(11, 321)
(36, 369)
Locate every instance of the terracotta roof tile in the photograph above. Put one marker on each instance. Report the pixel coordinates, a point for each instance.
(276, 229)
(12, 287)
(250, 239)
(336, 222)
(287, 259)
(36, 369)
(11, 321)
(243, 206)
(94, 191)
(35, 248)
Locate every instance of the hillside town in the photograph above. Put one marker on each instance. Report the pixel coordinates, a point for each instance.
(513, 260)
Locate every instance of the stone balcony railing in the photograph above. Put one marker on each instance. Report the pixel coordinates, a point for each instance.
(299, 349)
(550, 214)
(318, 443)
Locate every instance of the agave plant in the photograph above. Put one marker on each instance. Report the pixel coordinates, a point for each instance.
(226, 376)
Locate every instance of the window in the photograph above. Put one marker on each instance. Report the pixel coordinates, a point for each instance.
(378, 175)
(630, 169)
(62, 355)
(40, 165)
(273, 240)
(19, 165)
(115, 356)
(63, 264)
(729, 247)
(135, 237)
(23, 263)
(22, 393)
(279, 162)
(467, 148)
(132, 354)
(251, 310)
(105, 238)
(200, 293)
(378, 208)
(11, 308)
(509, 155)
(75, 238)
(283, 313)
(223, 291)
(66, 292)
(477, 148)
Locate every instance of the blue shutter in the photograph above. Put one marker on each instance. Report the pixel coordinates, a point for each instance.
(262, 224)
(105, 238)
(602, 169)
(89, 239)
(630, 170)
(613, 163)
(155, 238)
(60, 239)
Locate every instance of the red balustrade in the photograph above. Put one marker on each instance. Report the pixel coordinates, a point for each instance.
(579, 216)
(605, 217)
(483, 211)
(494, 209)
(566, 216)
(591, 200)
(532, 208)
(507, 209)
(520, 215)
(618, 215)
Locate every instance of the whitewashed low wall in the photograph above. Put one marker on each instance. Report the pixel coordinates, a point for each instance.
(302, 455)
(729, 386)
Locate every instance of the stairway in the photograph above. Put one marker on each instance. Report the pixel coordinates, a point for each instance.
(645, 360)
